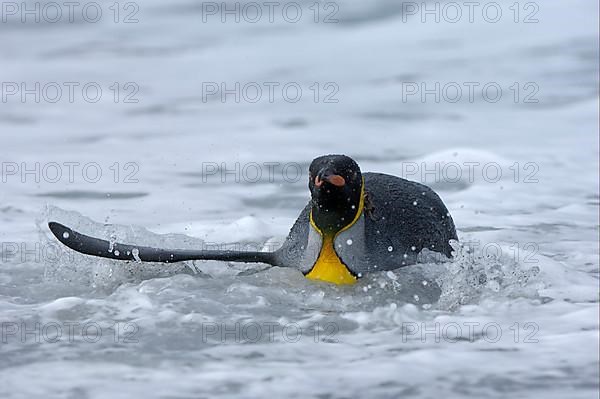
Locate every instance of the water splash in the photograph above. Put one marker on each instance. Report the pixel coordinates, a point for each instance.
(472, 275)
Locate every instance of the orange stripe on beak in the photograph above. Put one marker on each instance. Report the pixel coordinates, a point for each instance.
(336, 180)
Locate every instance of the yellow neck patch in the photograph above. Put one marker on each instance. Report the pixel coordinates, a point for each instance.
(329, 266)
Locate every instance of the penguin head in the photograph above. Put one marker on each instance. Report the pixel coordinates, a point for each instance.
(335, 184)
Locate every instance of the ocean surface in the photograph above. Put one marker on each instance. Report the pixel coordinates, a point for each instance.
(186, 125)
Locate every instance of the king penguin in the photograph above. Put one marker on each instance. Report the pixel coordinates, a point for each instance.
(355, 223)
(358, 223)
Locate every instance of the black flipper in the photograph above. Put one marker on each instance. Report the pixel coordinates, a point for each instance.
(97, 247)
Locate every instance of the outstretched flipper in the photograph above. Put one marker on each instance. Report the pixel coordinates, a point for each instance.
(105, 249)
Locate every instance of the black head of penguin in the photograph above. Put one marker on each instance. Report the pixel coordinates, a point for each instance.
(335, 185)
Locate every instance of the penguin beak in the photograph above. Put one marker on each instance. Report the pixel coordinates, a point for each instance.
(325, 176)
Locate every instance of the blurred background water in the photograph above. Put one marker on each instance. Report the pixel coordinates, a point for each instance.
(130, 114)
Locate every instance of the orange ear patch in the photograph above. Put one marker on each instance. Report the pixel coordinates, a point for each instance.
(318, 182)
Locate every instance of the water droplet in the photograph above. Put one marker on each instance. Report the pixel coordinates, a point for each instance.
(353, 207)
(117, 252)
(136, 254)
(349, 242)
(424, 282)
(66, 234)
(494, 286)
(390, 248)
(112, 242)
(415, 203)
(416, 298)
(413, 248)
